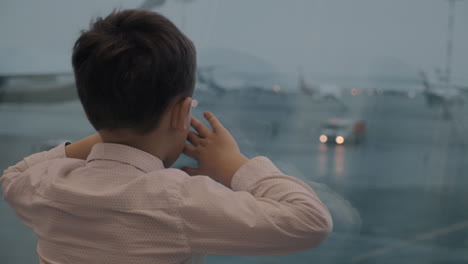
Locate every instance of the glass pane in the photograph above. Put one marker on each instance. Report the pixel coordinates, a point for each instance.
(364, 100)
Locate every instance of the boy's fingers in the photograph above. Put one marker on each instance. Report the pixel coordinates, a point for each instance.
(190, 171)
(202, 130)
(214, 122)
(193, 138)
(190, 151)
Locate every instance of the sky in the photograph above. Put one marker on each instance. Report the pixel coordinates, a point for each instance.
(328, 37)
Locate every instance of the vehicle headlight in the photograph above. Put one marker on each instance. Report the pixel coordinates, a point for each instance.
(323, 138)
(339, 140)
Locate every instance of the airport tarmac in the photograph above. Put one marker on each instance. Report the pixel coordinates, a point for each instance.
(400, 197)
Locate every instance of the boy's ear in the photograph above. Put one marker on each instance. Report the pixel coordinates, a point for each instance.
(181, 114)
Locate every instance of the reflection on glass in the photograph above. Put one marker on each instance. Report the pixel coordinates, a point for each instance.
(322, 159)
(339, 160)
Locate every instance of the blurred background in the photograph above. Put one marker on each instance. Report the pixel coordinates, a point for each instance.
(364, 100)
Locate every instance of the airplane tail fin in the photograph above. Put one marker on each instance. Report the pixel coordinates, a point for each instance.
(305, 87)
(425, 80)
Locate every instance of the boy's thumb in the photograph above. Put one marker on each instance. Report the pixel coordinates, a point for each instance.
(190, 171)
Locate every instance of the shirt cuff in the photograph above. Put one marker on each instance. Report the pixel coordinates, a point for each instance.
(58, 152)
(252, 172)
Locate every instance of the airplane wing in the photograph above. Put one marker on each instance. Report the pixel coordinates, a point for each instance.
(37, 88)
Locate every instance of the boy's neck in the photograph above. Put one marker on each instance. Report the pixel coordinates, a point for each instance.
(149, 142)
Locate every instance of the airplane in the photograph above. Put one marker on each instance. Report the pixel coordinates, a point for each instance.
(441, 94)
(206, 79)
(320, 92)
(234, 77)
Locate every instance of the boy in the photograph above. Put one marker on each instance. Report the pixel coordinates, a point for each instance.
(112, 198)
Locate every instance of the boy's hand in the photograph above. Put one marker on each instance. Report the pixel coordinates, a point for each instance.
(216, 151)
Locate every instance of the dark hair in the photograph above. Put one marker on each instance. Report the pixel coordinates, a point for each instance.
(128, 68)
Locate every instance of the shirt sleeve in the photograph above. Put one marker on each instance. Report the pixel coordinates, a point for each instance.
(18, 185)
(265, 213)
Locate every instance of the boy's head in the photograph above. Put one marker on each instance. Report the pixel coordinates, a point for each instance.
(129, 67)
(135, 74)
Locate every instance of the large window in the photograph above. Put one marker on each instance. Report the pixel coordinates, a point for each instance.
(364, 100)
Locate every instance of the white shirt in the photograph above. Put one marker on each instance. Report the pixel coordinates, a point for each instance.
(122, 206)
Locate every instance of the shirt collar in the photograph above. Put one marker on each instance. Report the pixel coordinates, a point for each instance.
(125, 154)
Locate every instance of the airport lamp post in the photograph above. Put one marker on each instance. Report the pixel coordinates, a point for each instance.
(451, 26)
